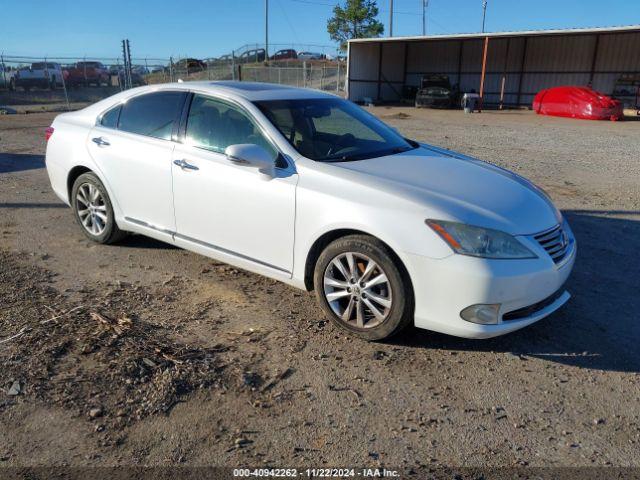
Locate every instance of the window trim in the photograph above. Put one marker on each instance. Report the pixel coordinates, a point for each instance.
(120, 104)
(182, 130)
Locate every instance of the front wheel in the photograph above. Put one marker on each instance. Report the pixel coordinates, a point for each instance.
(93, 210)
(363, 288)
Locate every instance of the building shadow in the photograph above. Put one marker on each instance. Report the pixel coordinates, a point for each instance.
(598, 328)
(18, 162)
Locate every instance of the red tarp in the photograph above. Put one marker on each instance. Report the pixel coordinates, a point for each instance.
(577, 102)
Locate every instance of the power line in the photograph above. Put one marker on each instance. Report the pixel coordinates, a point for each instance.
(286, 17)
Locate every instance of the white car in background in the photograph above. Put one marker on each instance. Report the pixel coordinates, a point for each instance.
(312, 190)
(311, 56)
(7, 77)
(40, 75)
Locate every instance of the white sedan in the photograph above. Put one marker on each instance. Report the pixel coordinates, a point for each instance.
(312, 190)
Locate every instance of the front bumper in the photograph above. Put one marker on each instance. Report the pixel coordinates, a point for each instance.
(532, 288)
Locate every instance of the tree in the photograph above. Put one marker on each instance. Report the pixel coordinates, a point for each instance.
(356, 20)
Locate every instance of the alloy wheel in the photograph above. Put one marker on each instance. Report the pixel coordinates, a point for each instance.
(91, 209)
(357, 290)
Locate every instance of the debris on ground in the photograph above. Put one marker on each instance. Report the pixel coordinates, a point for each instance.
(142, 368)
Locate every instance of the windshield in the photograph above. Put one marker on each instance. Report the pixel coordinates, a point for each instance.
(333, 130)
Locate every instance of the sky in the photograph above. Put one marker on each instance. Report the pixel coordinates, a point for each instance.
(210, 28)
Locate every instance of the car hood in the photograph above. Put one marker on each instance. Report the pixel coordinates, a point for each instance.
(451, 186)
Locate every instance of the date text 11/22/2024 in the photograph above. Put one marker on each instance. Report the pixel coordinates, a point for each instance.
(317, 472)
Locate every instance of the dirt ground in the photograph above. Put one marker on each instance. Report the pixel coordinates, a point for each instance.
(145, 354)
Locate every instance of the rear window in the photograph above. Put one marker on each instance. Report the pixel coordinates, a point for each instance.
(152, 115)
(110, 119)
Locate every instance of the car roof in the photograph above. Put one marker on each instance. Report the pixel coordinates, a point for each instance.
(252, 91)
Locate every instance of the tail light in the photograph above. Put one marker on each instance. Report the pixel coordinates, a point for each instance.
(47, 133)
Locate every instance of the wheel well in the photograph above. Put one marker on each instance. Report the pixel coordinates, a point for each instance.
(73, 175)
(321, 243)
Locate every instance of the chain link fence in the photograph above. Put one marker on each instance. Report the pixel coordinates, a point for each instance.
(65, 83)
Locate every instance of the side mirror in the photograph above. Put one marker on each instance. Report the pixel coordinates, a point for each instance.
(251, 155)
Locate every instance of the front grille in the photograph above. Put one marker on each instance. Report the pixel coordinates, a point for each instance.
(555, 242)
(532, 309)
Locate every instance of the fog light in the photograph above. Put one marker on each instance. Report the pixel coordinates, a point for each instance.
(484, 314)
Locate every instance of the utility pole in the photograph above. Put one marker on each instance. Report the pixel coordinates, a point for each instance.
(484, 13)
(425, 5)
(391, 18)
(266, 30)
(129, 77)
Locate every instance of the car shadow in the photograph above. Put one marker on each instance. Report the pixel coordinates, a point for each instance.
(144, 243)
(598, 327)
(18, 162)
(33, 205)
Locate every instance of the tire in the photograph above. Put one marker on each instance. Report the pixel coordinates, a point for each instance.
(99, 225)
(345, 300)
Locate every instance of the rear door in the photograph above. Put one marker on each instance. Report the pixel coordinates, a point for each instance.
(133, 149)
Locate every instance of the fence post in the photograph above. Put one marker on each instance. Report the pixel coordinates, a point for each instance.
(304, 73)
(4, 73)
(64, 87)
(338, 79)
(171, 69)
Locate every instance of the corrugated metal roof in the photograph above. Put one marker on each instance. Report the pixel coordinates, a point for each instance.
(526, 33)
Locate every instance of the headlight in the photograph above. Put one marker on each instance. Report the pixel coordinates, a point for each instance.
(480, 242)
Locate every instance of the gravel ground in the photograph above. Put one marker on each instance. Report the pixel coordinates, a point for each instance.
(145, 354)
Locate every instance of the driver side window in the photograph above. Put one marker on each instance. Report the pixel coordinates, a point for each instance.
(214, 125)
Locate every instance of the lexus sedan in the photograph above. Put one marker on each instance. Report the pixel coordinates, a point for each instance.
(312, 190)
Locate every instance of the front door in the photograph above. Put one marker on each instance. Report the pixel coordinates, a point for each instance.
(228, 207)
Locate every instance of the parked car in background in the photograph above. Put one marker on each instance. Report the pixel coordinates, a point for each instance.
(190, 65)
(137, 78)
(40, 75)
(577, 102)
(314, 191)
(225, 59)
(436, 91)
(253, 56)
(7, 77)
(284, 54)
(311, 56)
(88, 73)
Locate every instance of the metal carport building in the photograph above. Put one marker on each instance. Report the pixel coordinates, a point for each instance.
(518, 64)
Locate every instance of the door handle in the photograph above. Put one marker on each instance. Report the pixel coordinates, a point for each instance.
(101, 142)
(184, 165)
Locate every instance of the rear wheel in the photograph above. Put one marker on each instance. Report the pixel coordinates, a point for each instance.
(93, 210)
(362, 287)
